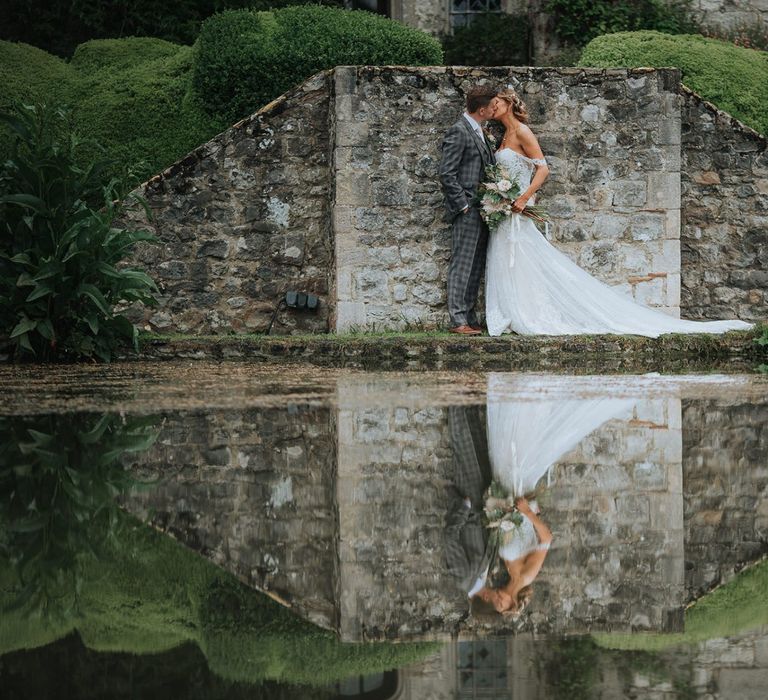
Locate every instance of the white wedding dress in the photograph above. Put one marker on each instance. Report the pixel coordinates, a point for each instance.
(531, 288)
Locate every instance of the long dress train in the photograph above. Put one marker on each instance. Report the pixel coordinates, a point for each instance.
(531, 288)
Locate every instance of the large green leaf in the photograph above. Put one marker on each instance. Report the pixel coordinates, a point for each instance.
(23, 326)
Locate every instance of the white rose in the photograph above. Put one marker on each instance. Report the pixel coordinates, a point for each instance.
(504, 185)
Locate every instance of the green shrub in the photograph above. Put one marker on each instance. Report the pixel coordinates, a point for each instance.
(733, 78)
(579, 21)
(130, 95)
(59, 280)
(246, 59)
(491, 40)
(59, 26)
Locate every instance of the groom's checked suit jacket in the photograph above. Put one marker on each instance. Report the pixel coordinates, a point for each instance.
(462, 167)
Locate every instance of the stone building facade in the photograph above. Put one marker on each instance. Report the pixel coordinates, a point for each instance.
(332, 190)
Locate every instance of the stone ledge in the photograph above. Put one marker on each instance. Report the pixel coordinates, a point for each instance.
(414, 351)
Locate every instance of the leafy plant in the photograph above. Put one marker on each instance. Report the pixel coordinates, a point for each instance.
(61, 245)
(579, 21)
(60, 476)
(492, 39)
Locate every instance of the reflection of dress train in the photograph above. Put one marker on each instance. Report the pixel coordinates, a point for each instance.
(532, 288)
(527, 436)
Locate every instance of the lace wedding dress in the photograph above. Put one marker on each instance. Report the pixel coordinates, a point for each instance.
(531, 288)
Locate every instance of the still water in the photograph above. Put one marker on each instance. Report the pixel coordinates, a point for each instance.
(199, 530)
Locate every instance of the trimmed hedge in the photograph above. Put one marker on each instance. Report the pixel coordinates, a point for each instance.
(246, 59)
(732, 77)
(136, 96)
(131, 95)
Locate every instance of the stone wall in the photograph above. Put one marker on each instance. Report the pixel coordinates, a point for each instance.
(725, 468)
(332, 189)
(612, 141)
(253, 492)
(724, 237)
(243, 219)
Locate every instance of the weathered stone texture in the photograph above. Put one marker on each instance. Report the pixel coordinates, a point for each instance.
(243, 219)
(252, 492)
(730, 14)
(615, 511)
(724, 237)
(612, 140)
(725, 470)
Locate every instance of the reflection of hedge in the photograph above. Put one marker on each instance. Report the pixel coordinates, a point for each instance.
(245, 59)
(739, 606)
(732, 77)
(152, 594)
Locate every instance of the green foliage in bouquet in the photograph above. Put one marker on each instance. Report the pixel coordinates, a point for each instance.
(497, 193)
(61, 246)
(732, 77)
(245, 59)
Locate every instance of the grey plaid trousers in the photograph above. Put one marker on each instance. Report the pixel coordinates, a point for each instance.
(465, 536)
(462, 166)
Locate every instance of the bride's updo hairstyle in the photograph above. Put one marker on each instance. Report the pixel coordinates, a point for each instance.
(519, 110)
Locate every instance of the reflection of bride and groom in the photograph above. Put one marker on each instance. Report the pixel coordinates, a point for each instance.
(496, 538)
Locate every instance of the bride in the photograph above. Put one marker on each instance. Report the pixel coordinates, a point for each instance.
(531, 288)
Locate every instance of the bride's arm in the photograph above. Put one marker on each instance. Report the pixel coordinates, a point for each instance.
(532, 149)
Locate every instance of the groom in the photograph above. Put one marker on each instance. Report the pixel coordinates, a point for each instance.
(465, 155)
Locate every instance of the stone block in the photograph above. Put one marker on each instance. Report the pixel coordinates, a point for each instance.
(663, 190)
(629, 193)
(648, 226)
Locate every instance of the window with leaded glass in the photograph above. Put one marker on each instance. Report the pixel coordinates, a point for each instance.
(464, 11)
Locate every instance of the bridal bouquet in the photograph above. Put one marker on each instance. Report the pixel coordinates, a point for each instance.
(497, 194)
(499, 509)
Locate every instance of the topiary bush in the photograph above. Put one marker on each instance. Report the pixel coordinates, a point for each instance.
(491, 40)
(130, 95)
(732, 77)
(246, 59)
(60, 249)
(579, 21)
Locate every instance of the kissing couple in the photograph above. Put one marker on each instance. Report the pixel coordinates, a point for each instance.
(531, 288)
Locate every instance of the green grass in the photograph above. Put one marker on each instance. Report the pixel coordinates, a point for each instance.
(151, 594)
(732, 77)
(738, 606)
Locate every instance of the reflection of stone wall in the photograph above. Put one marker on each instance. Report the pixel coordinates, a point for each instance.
(725, 470)
(615, 510)
(392, 501)
(724, 238)
(252, 492)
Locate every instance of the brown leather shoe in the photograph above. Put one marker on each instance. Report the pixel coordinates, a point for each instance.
(464, 330)
(477, 327)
